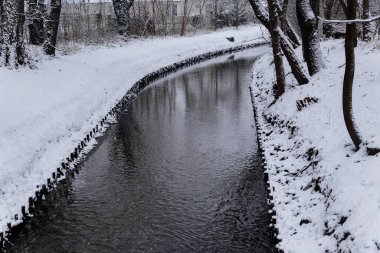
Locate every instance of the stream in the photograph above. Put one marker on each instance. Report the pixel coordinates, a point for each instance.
(179, 172)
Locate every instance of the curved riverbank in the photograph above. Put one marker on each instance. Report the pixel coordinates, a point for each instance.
(325, 195)
(84, 145)
(179, 172)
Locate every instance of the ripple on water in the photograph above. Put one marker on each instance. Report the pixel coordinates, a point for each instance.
(179, 173)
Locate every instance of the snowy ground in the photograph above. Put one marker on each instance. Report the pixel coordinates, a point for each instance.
(326, 195)
(46, 112)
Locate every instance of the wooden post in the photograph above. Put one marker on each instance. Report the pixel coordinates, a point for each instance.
(31, 204)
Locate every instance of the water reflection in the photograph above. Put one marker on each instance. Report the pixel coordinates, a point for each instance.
(180, 172)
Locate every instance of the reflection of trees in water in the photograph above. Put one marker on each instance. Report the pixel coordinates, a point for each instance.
(179, 172)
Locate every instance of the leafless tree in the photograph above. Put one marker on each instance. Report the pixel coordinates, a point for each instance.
(298, 71)
(284, 14)
(36, 15)
(121, 8)
(310, 39)
(318, 7)
(327, 27)
(184, 18)
(52, 24)
(349, 74)
(344, 7)
(237, 11)
(21, 58)
(366, 26)
(279, 87)
(12, 45)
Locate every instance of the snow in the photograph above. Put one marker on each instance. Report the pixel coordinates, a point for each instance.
(334, 204)
(46, 112)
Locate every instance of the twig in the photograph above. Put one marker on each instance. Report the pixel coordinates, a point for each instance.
(341, 65)
(262, 35)
(244, 41)
(304, 168)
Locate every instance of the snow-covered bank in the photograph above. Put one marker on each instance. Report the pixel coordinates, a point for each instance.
(326, 196)
(46, 112)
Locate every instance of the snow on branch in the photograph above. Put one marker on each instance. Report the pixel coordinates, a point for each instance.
(349, 21)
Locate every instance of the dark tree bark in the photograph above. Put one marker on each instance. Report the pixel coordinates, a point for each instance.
(52, 27)
(349, 75)
(310, 39)
(344, 7)
(1, 29)
(215, 14)
(317, 7)
(327, 27)
(286, 27)
(184, 19)
(284, 13)
(21, 58)
(121, 8)
(279, 87)
(295, 64)
(37, 13)
(366, 25)
(292, 35)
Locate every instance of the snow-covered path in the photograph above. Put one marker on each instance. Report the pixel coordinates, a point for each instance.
(44, 113)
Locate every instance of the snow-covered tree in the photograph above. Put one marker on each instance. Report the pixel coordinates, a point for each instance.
(298, 71)
(184, 18)
(121, 8)
(366, 25)
(237, 11)
(219, 11)
(310, 36)
(12, 47)
(279, 87)
(52, 24)
(36, 15)
(349, 74)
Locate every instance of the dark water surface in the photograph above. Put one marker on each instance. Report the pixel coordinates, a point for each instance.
(180, 172)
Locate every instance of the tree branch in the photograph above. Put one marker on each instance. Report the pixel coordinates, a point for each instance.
(349, 21)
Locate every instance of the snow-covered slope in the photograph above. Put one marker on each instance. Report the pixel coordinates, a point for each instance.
(46, 112)
(326, 195)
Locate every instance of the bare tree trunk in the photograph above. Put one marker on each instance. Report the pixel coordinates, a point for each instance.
(7, 34)
(279, 87)
(21, 58)
(37, 13)
(317, 7)
(215, 21)
(121, 8)
(284, 14)
(12, 47)
(344, 7)
(349, 75)
(154, 17)
(292, 35)
(366, 25)
(287, 28)
(310, 39)
(327, 28)
(184, 19)
(1, 30)
(295, 64)
(52, 27)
